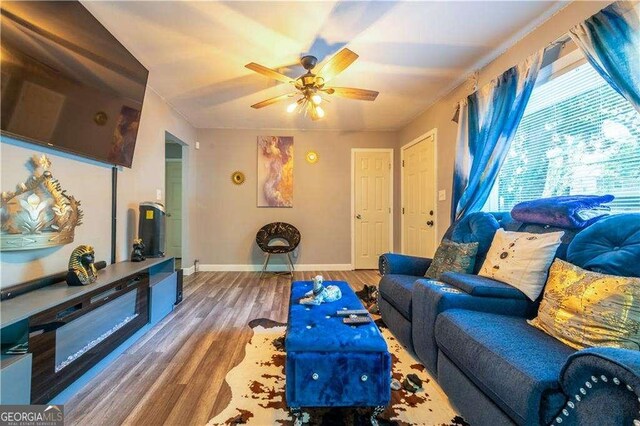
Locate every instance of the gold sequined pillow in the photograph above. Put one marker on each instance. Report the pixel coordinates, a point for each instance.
(452, 257)
(583, 308)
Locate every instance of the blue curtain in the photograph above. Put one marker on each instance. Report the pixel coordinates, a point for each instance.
(487, 121)
(610, 40)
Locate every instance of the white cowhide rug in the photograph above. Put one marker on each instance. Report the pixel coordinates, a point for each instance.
(258, 396)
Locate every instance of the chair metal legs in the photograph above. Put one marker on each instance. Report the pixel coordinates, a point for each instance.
(266, 263)
(291, 263)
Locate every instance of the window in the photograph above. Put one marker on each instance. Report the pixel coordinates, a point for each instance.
(577, 136)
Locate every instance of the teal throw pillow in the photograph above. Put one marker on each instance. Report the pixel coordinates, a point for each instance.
(453, 257)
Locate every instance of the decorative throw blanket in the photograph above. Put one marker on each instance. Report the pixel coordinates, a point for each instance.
(569, 211)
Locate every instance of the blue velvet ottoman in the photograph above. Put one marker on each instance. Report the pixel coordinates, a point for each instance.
(331, 364)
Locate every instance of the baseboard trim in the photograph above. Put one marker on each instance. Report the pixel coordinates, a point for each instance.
(188, 271)
(274, 268)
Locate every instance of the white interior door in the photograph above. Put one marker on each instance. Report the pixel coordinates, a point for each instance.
(173, 193)
(372, 207)
(418, 208)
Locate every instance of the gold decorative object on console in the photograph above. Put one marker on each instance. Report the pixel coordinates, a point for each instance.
(312, 157)
(82, 271)
(237, 178)
(39, 213)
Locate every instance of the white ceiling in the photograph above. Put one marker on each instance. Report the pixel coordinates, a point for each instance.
(411, 52)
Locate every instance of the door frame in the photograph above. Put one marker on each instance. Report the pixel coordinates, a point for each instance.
(168, 136)
(175, 160)
(433, 132)
(353, 201)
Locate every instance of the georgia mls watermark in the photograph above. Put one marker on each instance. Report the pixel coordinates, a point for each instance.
(31, 415)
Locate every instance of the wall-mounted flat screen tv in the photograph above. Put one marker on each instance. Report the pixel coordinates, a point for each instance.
(67, 83)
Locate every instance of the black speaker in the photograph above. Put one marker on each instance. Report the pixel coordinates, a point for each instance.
(151, 228)
(179, 285)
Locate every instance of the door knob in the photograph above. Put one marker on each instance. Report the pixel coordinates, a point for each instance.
(431, 212)
(358, 216)
(429, 223)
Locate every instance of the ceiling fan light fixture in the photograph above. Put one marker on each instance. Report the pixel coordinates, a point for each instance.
(292, 107)
(311, 86)
(308, 79)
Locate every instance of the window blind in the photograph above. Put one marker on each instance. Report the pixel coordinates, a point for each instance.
(577, 136)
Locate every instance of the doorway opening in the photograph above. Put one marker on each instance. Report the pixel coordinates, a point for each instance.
(174, 162)
(418, 194)
(371, 205)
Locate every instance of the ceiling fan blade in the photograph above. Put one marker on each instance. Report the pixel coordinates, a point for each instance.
(337, 64)
(271, 101)
(353, 93)
(261, 69)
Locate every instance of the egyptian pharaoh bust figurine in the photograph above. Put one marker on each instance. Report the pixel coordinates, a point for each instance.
(82, 271)
(138, 248)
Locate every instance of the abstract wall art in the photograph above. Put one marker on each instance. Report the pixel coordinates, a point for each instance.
(275, 171)
(124, 136)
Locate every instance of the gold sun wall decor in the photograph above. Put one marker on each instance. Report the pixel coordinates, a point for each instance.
(312, 157)
(237, 178)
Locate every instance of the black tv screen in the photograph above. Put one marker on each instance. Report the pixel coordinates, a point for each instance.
(67, 83)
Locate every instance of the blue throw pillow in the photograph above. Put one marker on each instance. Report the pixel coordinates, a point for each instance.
(611, 246)
(478, 228)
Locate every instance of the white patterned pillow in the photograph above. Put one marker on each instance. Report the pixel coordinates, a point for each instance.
(521, 259)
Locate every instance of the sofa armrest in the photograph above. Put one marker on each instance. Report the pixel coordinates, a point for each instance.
(476, 285)
(602, 387)
(393, 263)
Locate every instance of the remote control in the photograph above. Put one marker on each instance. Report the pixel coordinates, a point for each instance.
(356, 320)
(349, 312)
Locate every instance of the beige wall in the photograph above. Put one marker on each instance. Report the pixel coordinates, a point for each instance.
(440, 114)
(90, 182)
(87, 181)
(147, 174)
(227, 215)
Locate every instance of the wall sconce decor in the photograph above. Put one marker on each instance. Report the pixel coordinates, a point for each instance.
(312, 157)
(237, 178)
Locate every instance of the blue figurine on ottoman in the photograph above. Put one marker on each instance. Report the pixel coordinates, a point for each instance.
(329, 363)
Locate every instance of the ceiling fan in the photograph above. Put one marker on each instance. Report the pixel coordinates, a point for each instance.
(310, 87)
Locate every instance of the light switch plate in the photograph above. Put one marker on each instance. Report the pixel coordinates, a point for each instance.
(197, 145)
(442, 195)
(159, 194)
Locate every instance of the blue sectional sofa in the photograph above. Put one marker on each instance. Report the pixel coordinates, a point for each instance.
(471, 332)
